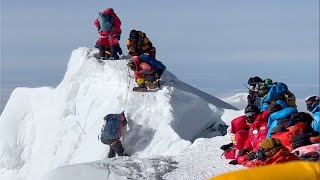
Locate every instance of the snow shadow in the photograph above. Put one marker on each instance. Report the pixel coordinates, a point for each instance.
(192, 90)
(196, 113)
(137, 137)
(97, 56)
(200, 123)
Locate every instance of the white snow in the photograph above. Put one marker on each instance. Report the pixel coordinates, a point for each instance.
(51, 133)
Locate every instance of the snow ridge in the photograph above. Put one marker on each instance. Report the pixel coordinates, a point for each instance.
(45, 128)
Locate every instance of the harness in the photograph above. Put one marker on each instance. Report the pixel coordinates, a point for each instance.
(114, 35)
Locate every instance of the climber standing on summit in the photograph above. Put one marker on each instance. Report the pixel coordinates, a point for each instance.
(108, 24)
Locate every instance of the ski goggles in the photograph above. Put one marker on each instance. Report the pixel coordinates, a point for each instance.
(311, 104)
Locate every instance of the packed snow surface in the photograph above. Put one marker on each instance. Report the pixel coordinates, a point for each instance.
(52, 133)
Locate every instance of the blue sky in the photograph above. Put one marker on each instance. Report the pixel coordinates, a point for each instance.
(213, 45)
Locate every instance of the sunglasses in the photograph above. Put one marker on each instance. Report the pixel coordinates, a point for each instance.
(250, 114)
(133, 36)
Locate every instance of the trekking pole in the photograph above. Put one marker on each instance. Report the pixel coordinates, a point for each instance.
(250, 89)
(246, 86)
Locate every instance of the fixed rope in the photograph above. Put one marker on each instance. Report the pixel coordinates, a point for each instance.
(78, 141)
(128, 90)
(81, 128)
(125, 103)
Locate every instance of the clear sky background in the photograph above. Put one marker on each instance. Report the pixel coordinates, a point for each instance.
(213, 45)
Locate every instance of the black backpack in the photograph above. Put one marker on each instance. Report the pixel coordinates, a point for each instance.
(300, 140)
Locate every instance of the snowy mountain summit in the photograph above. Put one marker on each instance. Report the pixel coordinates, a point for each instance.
(45, 128)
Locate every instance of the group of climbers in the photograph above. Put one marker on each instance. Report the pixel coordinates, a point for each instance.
(272, 130)
(109, 29)
(147, 69)
(142, 61)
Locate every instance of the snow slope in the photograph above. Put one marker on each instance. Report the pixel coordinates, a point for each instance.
(45, 128)
(200, 161)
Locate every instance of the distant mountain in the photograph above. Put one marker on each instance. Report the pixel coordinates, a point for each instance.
(238, 100)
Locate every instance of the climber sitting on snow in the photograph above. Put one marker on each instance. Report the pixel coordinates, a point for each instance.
(258, 88)
(252, 129)
(111, 133)
(147, 71)
(313, 105)
(242, 143)
(271, 151)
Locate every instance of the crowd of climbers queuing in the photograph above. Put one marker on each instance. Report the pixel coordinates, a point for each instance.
(142, 61)
(272, 130)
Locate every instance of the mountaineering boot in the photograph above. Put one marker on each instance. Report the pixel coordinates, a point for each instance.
(154, 84)
(234, 162)
(226, 146)
(103, 58)
(140, 88)
(120, 50)
(118, 148)
(111, 153)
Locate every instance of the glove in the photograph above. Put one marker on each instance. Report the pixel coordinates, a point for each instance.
(234, 162)
(274, 107)
(243, 152)
(118, 36)
(124, 123)
(251, 156)
(226, 146)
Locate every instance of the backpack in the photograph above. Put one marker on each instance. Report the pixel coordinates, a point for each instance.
(106, 21)
(158, 65)
(300, 140)
(110, 129)
(290, 98)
